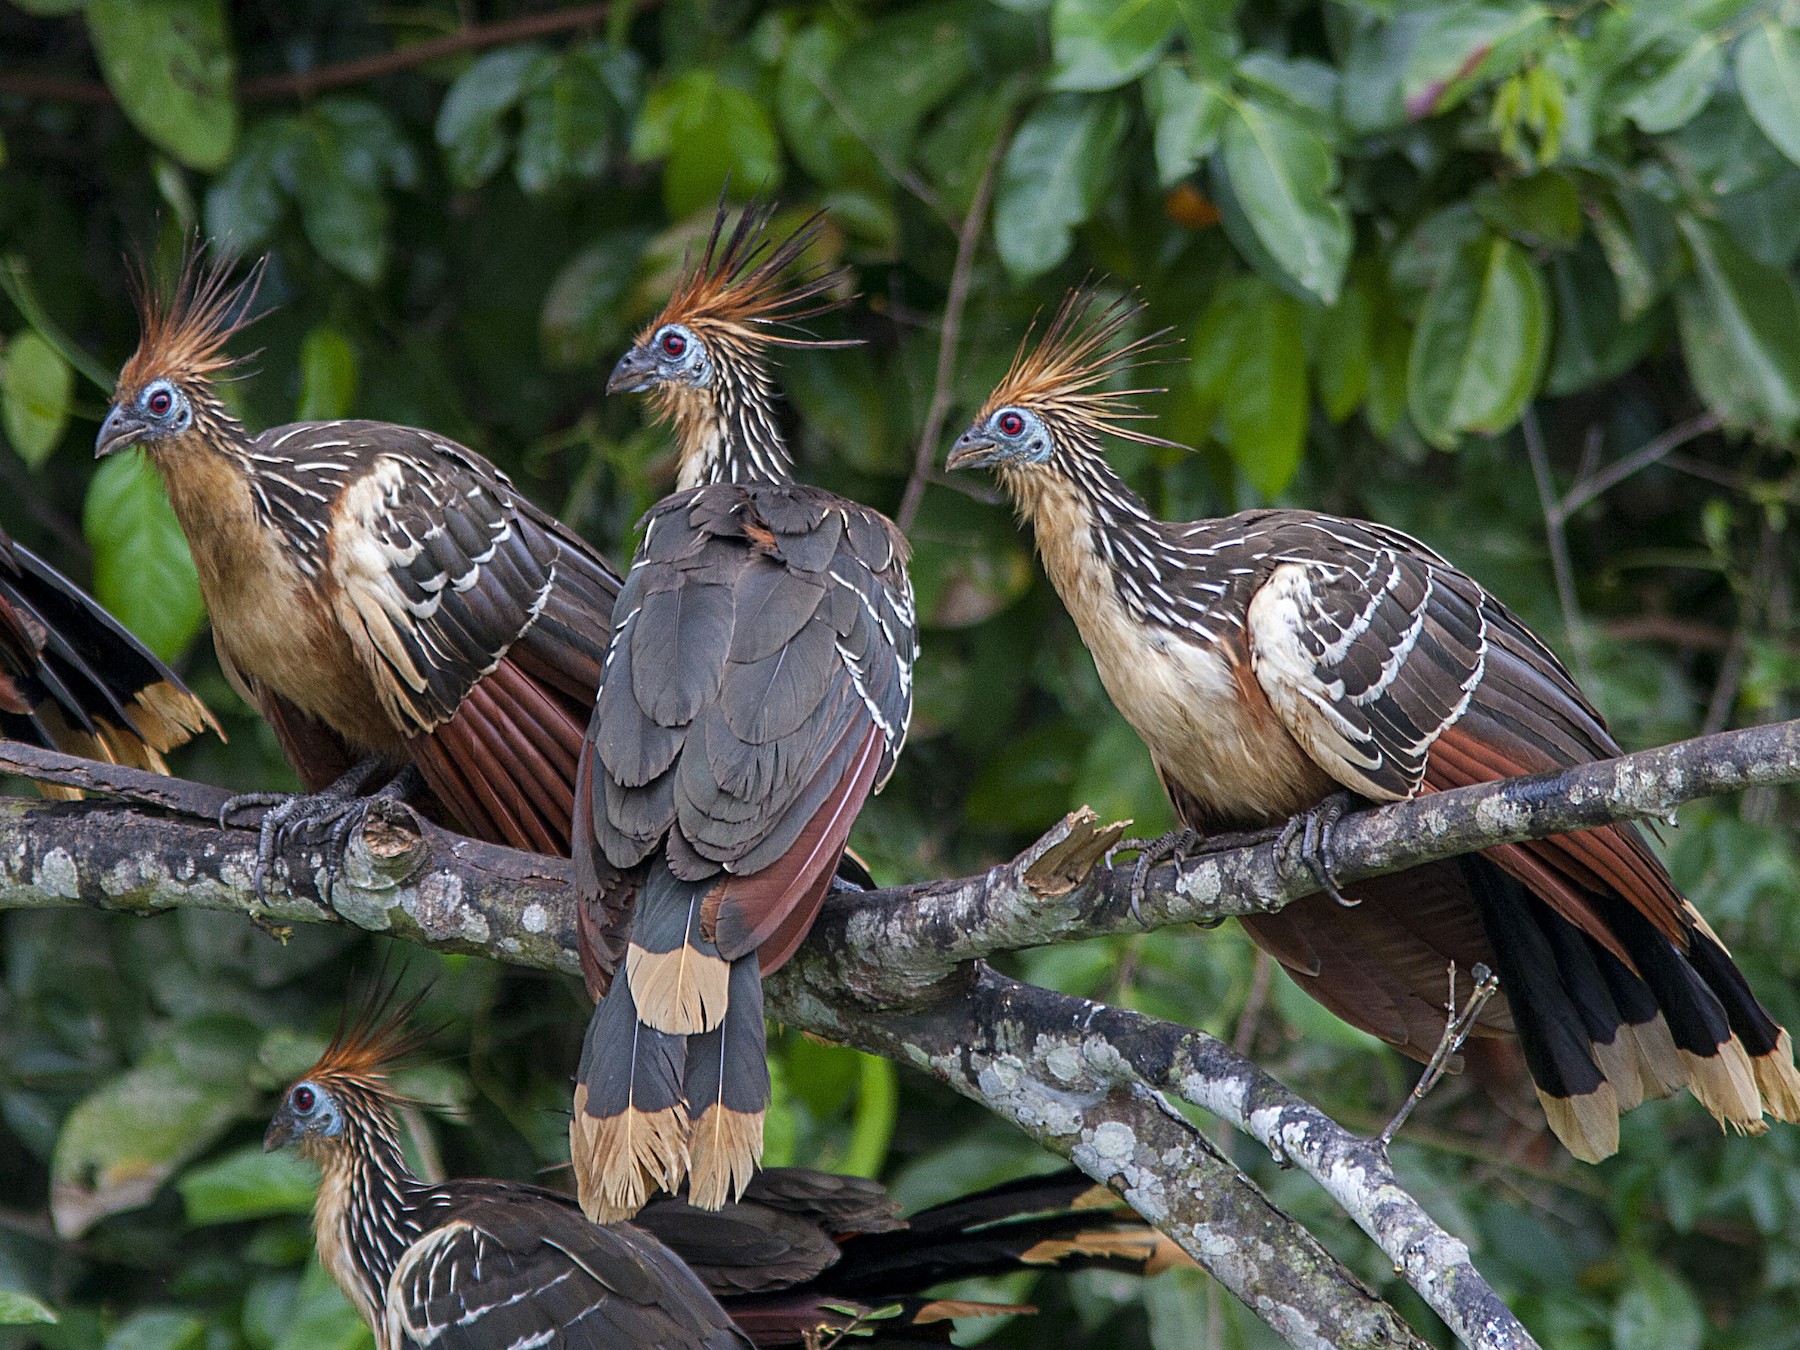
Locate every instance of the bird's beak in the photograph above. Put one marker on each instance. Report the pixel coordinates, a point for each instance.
(280, 1133)
(120, 430)
(633, 374)
(971, 451)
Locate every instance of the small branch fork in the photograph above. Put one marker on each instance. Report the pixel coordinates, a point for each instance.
(1457, 1026)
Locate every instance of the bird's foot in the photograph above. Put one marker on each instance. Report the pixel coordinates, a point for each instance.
(1314, 828)
(1172, 846)
(330, 813)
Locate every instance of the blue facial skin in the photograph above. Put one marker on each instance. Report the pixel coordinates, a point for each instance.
(307, 1112)
(1006, 435)
(159, 410)
(672, 355)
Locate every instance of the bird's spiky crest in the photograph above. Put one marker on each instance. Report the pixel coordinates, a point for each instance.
(1064, 374)
(184, 328)
(738, 284)
(374, 1034)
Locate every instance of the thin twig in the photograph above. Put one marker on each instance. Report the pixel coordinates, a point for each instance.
(902, 175)
(943, 389)
(1558, 540)
(1457, 1026)
(1586, 489)
(305, 83)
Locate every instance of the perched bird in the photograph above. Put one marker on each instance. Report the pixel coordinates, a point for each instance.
(386, 597)
(803, 1258)
(757, 689)
(469, 1265)
(73, 678)
(1275, 657)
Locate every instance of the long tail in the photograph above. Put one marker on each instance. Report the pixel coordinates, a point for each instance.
(76, 680)
(674, 1078)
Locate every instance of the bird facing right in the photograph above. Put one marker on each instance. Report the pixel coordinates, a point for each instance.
(1275, 658)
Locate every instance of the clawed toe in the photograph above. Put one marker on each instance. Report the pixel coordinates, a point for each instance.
(1315, 829)
(1171, 846)
(333, 813)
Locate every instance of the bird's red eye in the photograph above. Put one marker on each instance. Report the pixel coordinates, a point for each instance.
(160, 403)
(1011, 424)
(674, 344)
(304, 1099)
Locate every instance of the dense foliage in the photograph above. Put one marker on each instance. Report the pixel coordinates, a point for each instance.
(1387, 232)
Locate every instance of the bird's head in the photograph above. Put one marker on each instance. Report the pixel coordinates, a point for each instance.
(1055, 401)
(166, 389)
(708, 348)
(348, 1091)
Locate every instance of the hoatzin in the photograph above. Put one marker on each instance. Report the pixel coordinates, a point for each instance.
(757, 689)
(385, 597)
(73, 678)
(801, 1259)
(1275, 657)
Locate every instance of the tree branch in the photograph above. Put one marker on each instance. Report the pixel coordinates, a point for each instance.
(894, 971)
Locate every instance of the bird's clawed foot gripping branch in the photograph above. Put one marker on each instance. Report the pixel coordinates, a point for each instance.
(650, 780)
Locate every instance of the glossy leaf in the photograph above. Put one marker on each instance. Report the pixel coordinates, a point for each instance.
(1768, 75)
(1740, 330)
(897, 71)
(170, 64)
(1101, 44)
(1284, 175)
(36, 385)
(1480, 345)
(1658, 1312)
(583, 322)
(1052, 179)
(143, 572)
(1250, 364)
(566, 127)
(1458, 47)
(1676, 90)
(705, 132)
(158, 1329)
(1189, 114)
(19, 1309)
(470, 122)
(248, 1184)
(1342, 362)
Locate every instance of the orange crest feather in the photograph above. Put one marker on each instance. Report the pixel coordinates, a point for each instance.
(738, 282)
(1064, 374)
(184, 328)
(373, 1036)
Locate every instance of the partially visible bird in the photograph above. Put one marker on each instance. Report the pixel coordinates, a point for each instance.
(73, 678)
(383, 595)
(469, 1265)
(757, 690)
(1275, 658)
(805, 1256)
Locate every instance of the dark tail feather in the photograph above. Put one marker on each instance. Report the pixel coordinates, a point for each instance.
(1767, 1043)
(728, 1092)
(677, 976)
(628, 1134)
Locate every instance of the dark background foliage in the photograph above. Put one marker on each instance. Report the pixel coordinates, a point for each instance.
(1517, 278)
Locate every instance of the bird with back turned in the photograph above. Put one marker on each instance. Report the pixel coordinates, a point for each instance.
(385, 597)
(1274, 659)
(802, 1258)
(756, 691)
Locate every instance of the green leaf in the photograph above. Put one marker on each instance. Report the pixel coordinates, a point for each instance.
(36, 385)
(898, 70)
(158, 1329)
(327, 375)
(1740, 332)
(968, 561)
(169, 63)
(47, 8)
(1658, 1312)
(1542, 211)
(322, 1318)
(816, 134)
(245, 202)
(471, 122)
(248, 1184)
(1341, 359)
(1053, 177)
(1189, 114)
(1102, 44)
(1480, 345)
(567, 127)
(1250, 364)
(1676, 90)
(1284, 177)
(583, 320)
(143, 572)
(1768, 75)
(1462, 46)
(1592, 345)
(706, 131)
(19, 1309)
(872, 1125)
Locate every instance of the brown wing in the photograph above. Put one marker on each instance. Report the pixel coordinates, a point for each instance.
(758, 689)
